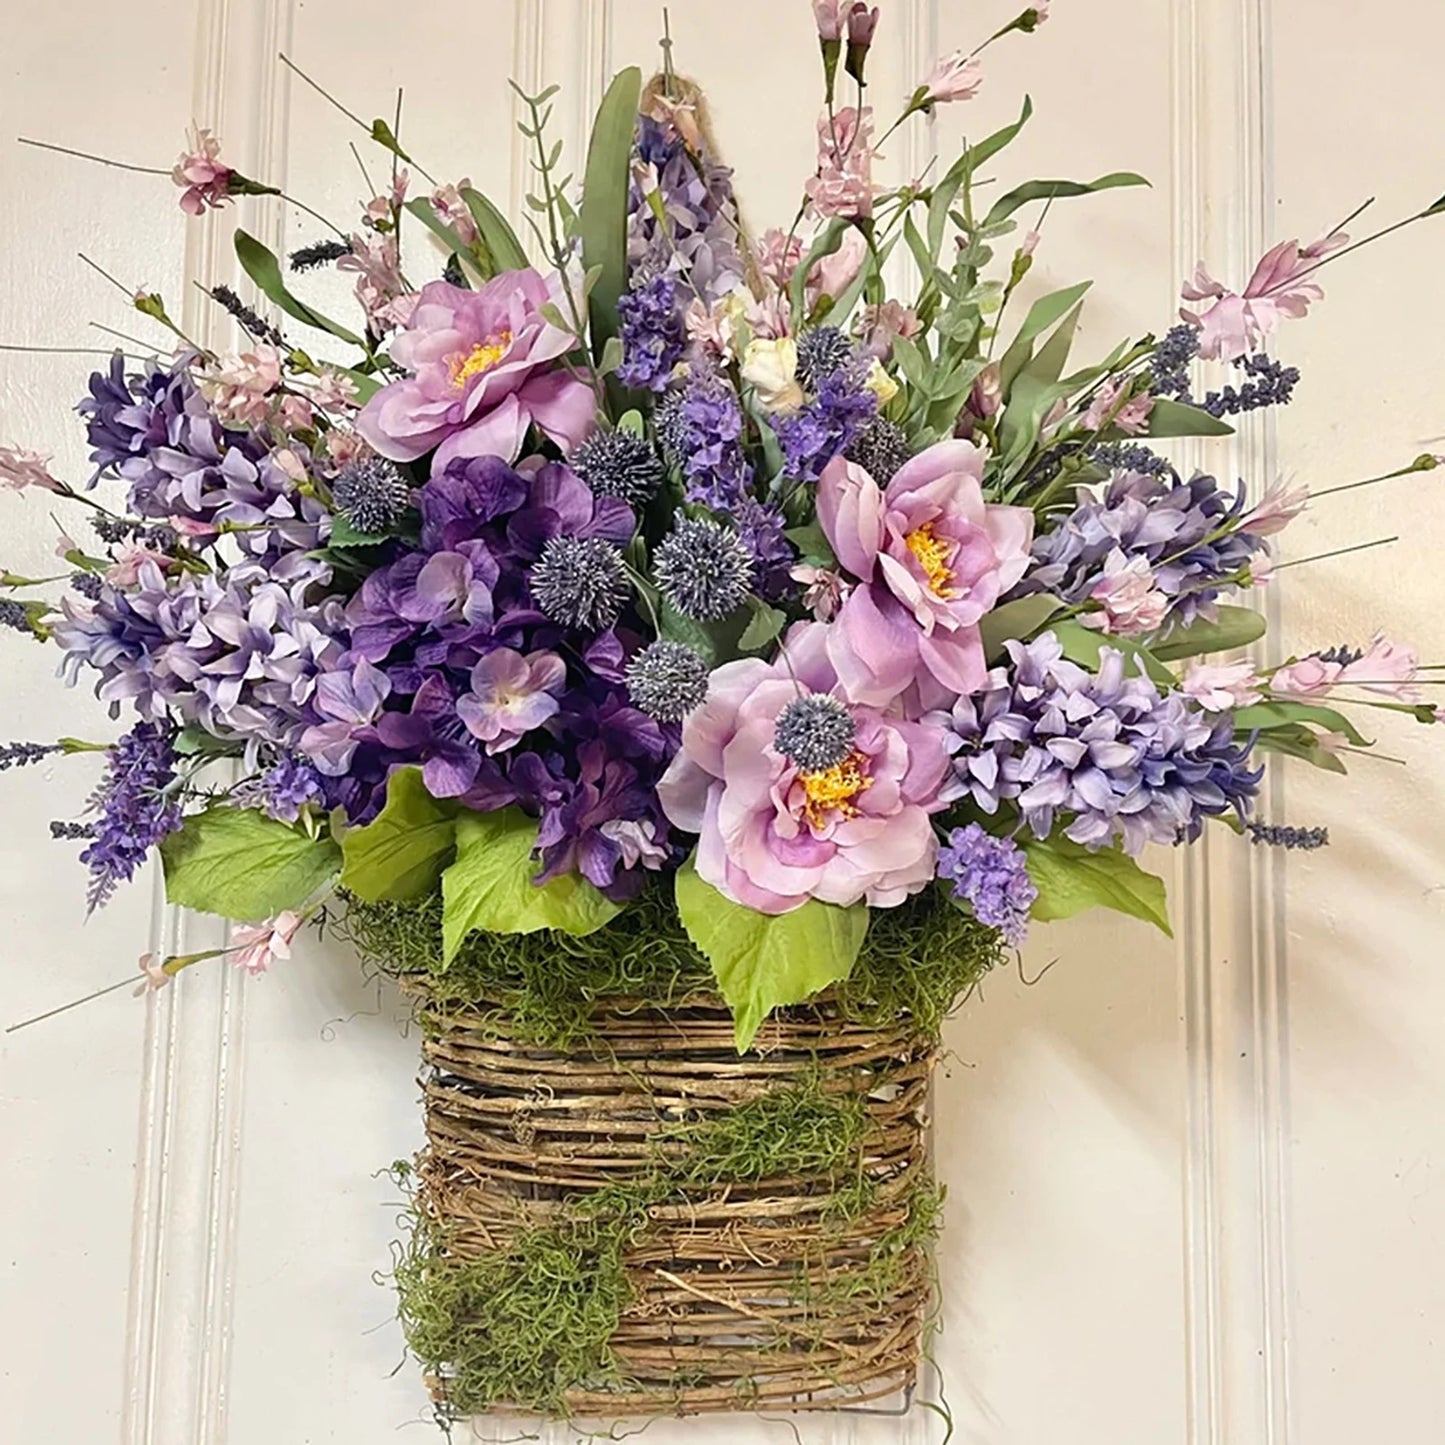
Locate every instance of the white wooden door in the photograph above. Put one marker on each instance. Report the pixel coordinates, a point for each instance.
(1194, 1189)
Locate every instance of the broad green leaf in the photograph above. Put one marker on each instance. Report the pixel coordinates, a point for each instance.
(1020, 618)
(764, 961)
(1005, 206)
(1084, 644)
(490, 885)
(603, 219)
(505, 250)
(344, 534)
(1030, 399)
(261, 265)
(1071, 879)
(1280, 713)
(1175, 419)
(422, 209)
(916, 368)
(400, 855)
(1298, 741)
(763, 626)
(1048, 365)
(366, 386)
(1044, 313)
(812, 544)
(1234, 627)
(243, 865)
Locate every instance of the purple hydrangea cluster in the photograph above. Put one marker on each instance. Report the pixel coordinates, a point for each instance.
(699, 237)
(762, 531)
(237, 652)
(1107, 751)
(650, 326)
(156, 431)
(990, 875)
(135, 807)
(1188, 532)
(702, 429)
(451, 664)
(825, 426)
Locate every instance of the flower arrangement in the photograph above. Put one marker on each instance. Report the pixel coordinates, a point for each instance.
(692, 555)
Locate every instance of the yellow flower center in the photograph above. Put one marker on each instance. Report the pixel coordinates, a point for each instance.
(932, 554)
(480, 358)
(832, 790)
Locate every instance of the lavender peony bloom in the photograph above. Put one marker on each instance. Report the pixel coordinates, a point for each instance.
(772, 836)
(483, 367)
(932, 557)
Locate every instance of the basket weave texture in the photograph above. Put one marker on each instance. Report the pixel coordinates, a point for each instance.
(739, 1279)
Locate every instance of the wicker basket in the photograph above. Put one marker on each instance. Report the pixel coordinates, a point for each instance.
(776, 1288)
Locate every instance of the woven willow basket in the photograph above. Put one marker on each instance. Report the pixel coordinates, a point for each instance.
(774, 1289)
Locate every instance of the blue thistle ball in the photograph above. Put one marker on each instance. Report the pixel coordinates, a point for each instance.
(815, 732)
(881, 449)
(822, 352)
(580, 582)
(619, 464)
(667, 680)
(703, 569)
(372, 493)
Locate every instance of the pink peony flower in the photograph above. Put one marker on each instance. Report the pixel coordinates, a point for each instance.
(770, 836)
(1222, 687)
(201, 175)
(954, 77)
(1280, 506)
(932, 557)
(1233, 323)
(453, 211)
(482, 365)
(1132, 605)
(511, 694)
(240, 386)
(1131, 418)
(258, 945)
(21, 468)
(843, 185)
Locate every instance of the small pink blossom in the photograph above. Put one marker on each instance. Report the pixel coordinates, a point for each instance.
(832, 275)
(241, 385)
(1131, 418)
(955, 77)
(831, 16)
(125, 570)
(290, 463)
(202, 176)
(345, 446)
(1222, 687)
(843, 185)
(770, 316)
(1233, 323)
(193, 527)
(380, 286)
(293, 413)
(333, 391)
(1030, 243)
(862, 23)
(712, 329)
(21, 468)
(156, 976)
(258, 945)
(987, 395)
(1386, 667)
(1261, 569)
(1281, 505)
(1309, 677)
(1041, 11)
(778, 255)
(1132, 605)
(1332, 742)
(823, 590)
(452, 210)
(65, 544)
(884, 324)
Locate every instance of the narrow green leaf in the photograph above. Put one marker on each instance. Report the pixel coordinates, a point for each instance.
(1044, 313)
(828, 241)
(603, 220)
(366, 386)
(1299, 742)
(490, 886)
(400, 855)
(421, 208)
(1085, 644)
(243, 865)
(1235, 627)
(1174, 419)
(506, 251)
(1006, 205)
(261, 265)
(1020, 618)
(1071, 879)
(1280, 713)
(765, 961)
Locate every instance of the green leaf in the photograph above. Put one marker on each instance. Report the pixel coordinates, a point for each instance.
(506, 251)
(261, 265)
(1071, 879)
(991, 145)
(1084, 644)
(828, 241)
(632, 421)
(1279, 713)
(243, 865)
(1006, 205)
(1175, 419)
(400, 855)
(1298, 741)
(812, 544)
(366, 386)
(490, 885)
(1044, 313)
(763, 626)
(344, 534)
(764, 961)
(1235, 627)
(1020, 618)
(603, 221)
(421, 208)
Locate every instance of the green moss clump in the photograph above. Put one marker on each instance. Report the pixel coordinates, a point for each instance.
(917, 960)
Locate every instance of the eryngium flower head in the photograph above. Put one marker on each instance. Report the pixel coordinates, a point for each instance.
(816, 732)
(373, 493)
(619, 464)
(702, 568)
(667, 680)
(821, 352)
(580, 582)
(880, 449)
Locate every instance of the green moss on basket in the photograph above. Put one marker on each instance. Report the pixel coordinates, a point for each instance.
(917, 960)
